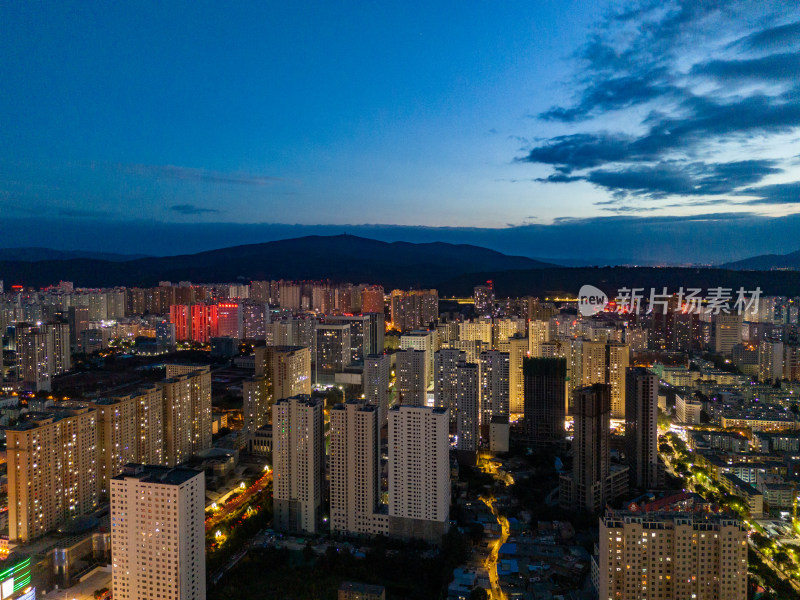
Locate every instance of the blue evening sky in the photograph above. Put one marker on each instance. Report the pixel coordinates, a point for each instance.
(436, 114)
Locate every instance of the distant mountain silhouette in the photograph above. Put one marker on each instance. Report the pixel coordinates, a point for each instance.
(766, 262)
(339, 258)
(34, 254)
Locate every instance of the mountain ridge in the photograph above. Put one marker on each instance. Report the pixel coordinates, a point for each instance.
(339, 258)
(766, 262)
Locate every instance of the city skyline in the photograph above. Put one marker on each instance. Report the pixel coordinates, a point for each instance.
(476, 125)
(467, 301)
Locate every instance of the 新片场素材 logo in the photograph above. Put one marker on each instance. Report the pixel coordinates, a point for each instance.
(591, 300)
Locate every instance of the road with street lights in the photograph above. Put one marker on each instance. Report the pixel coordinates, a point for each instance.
(240, 500)
(680, 463)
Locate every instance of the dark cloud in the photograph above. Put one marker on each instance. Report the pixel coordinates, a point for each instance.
(191, 209)
(778, 37)
(651, 64)
(705, 119)
(613, 94)
(557, 178)
(679, 179)
(783, 66)
(582, 150)
(629, 209)
(779, 193)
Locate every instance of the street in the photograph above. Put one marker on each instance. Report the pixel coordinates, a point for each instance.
(238, 502)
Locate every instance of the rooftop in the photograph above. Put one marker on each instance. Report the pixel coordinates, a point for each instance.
(157, 474)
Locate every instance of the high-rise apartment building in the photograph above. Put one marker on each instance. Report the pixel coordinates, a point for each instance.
(256, 403)
(322, 299)
(791, 362)
(472, 348)
(468, 405)
(78, 319)
(445, 378)
(334, 351)
(180, 316)
(374, 335)
(478, 330)
(150, 447)
(288, 369)
(414, 309)
(289, 296)
(494, 373)
(503, 329)
(605, 362)
(412, 377)
(165, 336)
(355, 470)
(544, 381)
(617, 361)
(204, 322)
(376, 378)
(364, 331)
(419, 472)
(517, 348)
(116, 437)
(298, 463)
(293, 332)
(593, 481)
(671, 556)
(260, 292)
(372, 299)
(229, 320)
(62, 354)
(158, 534)
(770, 361)
(593, 362)
(255, 319)
(52, 470)
(36, 356)
(538, 333)
(641, 427)
(483, 296)
(727, 332)
(425, 340)
(446, 332)
(187, 412)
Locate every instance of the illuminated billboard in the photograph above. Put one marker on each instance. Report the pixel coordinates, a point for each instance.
(15, 580)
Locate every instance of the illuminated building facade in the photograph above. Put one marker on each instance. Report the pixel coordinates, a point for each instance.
(52, 470)
(671, 556)
(158, 534)
(298, 463)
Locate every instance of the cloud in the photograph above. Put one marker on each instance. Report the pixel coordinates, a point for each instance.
(704, 119)
(660, 90)
(775, 67)
(623, 209)
(613, 94)
(681, 179)
(779, 37)
(557, 178)
(191, 209)
(779, 193)
(201, 175)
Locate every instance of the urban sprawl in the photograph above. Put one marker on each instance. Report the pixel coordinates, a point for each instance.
(307, 439)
